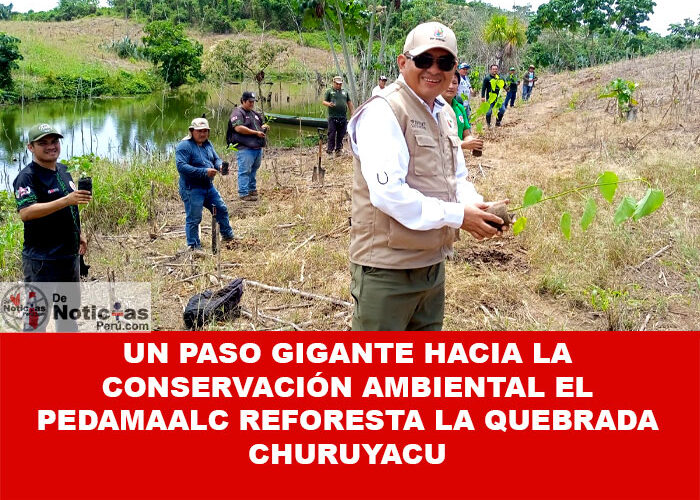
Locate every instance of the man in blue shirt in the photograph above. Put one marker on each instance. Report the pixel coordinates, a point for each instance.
(464, 90)
(198, 164)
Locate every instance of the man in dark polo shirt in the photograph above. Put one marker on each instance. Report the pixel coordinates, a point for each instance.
(246, 129)
(47, 202)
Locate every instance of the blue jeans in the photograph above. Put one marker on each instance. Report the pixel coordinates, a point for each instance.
(501, 112)
(527, 90)
(248, 164)
(195, 198)
(510, 97)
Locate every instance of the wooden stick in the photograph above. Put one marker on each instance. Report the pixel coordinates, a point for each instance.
(191, 277)
(272, 318)
(664, 249)
(644, 325)
(289, 306)
(344, 225)
(150, 203)
(303, 243)
(486, 311)
(214, 232)
(294, 291)
(170, 264)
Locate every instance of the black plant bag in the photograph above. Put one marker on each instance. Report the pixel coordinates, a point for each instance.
(211, 306)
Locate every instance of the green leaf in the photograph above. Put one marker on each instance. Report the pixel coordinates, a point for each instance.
(492, 97)
(608, 185)
(652, 200)
(533, 194)
(609, 94)
(565, 225)
(483, 108)
(519, 225)
(625, 210)
(588, 213)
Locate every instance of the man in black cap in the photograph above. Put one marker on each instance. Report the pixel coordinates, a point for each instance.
(378, 88)
(47, 202)
(246, 129)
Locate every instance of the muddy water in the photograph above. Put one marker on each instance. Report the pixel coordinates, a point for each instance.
(147, 125)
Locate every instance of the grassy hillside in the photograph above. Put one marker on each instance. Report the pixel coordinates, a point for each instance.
(65, 59)
(601, 279)
(70, 59)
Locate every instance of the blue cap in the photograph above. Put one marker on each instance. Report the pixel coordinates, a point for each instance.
(464, 66)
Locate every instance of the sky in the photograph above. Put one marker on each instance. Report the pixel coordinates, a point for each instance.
(665, 12)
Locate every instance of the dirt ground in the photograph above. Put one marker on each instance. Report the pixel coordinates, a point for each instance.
(643, 276)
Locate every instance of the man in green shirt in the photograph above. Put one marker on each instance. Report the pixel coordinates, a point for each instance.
(338, 102)
(511, 87)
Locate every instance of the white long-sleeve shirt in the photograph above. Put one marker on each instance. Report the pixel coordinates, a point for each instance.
(465, 86)
(376, 137)
(377, 90)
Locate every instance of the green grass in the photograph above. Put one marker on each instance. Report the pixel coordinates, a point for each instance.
(57, 67)
(11, 238)
(316, 39)
(49, 72)
(122, 191)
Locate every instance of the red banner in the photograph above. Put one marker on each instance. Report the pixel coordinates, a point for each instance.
(347, 415)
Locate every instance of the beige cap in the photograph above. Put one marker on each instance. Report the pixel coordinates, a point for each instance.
(428, 36)
(199, 124)
(338, 79)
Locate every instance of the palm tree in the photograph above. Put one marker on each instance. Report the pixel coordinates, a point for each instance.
(506, 36)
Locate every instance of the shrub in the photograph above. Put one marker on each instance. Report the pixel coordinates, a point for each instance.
(126, 48)
(121, 193)
(9, 55)
(622, 91)
(177, 57)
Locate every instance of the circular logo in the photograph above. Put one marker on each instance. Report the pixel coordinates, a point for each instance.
(24, 307)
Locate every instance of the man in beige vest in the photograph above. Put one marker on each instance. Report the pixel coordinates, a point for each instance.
(410, 191)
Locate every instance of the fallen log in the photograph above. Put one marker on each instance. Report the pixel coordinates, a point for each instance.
(294, 291)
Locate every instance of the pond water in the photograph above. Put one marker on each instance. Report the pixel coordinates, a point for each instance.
(154, 123)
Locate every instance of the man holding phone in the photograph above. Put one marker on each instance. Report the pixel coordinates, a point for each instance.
(197, 163)
(47, 202)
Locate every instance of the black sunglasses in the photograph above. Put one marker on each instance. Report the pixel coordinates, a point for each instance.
(425, 61)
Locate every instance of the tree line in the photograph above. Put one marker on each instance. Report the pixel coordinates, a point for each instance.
(365, 36)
